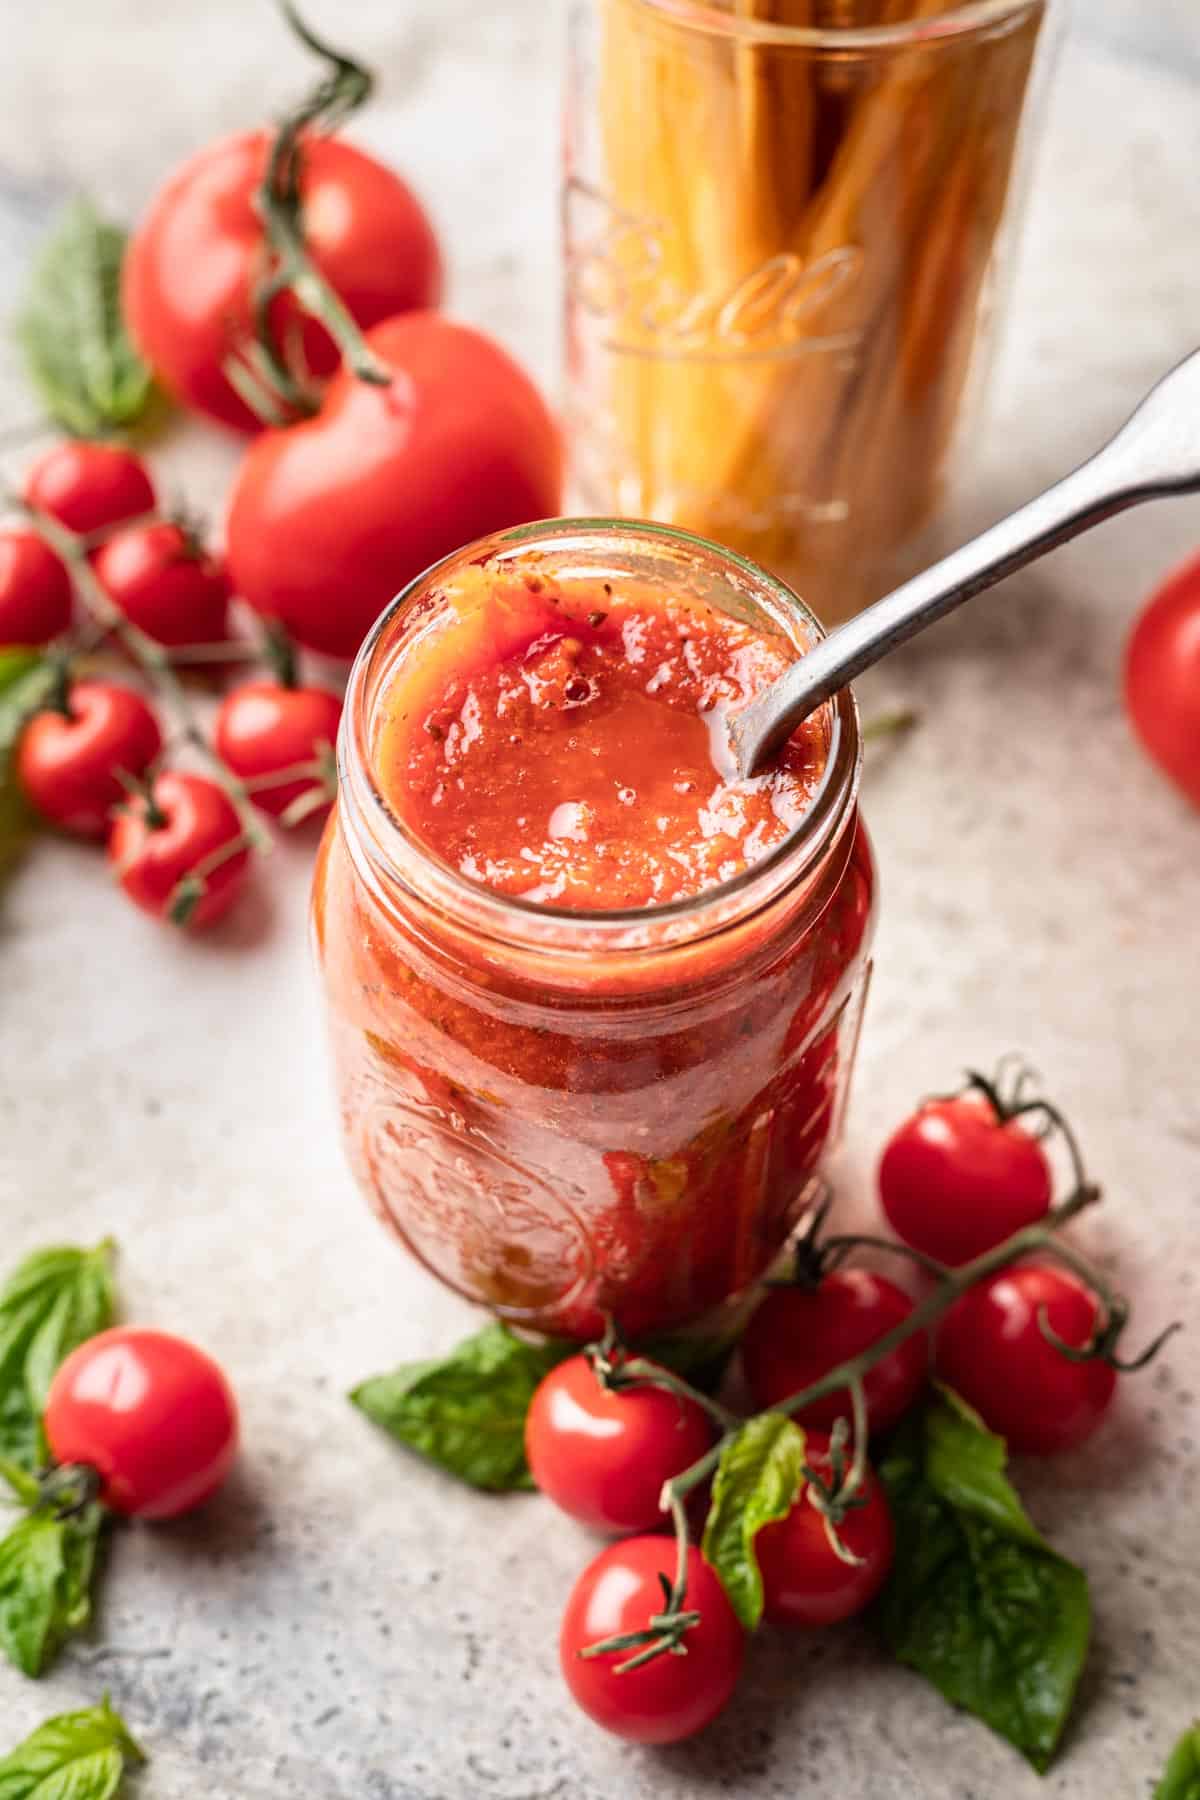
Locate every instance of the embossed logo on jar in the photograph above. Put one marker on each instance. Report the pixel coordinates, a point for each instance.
(481, 1223)
(619, 272)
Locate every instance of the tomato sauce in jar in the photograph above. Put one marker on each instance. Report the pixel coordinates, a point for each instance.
(593, 997)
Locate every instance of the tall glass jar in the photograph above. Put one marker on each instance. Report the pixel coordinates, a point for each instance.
(786, 226)
(565, 1114)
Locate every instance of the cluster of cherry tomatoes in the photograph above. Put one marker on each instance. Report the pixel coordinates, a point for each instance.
(957, 1180)
(285, 284)
(94, 759)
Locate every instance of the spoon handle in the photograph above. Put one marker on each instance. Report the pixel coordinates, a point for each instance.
(1155, 455)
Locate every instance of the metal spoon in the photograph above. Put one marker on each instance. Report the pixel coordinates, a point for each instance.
(1155, 455)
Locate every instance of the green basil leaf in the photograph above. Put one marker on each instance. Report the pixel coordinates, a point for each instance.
(78, 354)
(757, 1480)
(27, 679)
(54, 1301)
(76, 1756)
(1181, 1780)
(978, 1603)
(466, 1411)
(46, 1568)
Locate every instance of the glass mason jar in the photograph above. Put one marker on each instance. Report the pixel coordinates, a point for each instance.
(785, 231)
(566, 1114)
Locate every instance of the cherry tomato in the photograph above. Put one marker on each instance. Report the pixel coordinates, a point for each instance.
(1162, 678)
(151, 1413)
(88, 487)
(154, 850)
(672, 1697)
(603, 1455)
(188, 271)
(990, 1349)
(35, 590)
(67, 763)
(796, 1336)
(264, 728)
(955, 1180)
(165, 583)
(329, 519)
(805, 1582)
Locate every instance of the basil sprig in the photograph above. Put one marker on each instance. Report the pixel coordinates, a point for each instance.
(978, 1602)
(757, 1480)
(466, 1411)
(76, 1756)
(79, 357)
(1181, 1778)
(46, 1569)
(27, 680)
(51, 1303)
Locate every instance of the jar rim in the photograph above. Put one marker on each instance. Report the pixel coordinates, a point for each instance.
(383, 845)
(958, 21)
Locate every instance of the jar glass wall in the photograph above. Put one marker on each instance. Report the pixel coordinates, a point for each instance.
(787, 224)
(572, 1114)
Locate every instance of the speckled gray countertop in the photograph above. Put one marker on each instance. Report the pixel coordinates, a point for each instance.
(345, 1624)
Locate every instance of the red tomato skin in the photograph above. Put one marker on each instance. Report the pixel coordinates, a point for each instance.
(187, 276)
(331, 518)
(804, 1581)
(796, 1337)
(954, 1182)
(152, 861)
(66, 767)
(264, 727)
(672, 1697)
(171, 592)
(991, 1351)
(35, 590)
(603, 1456)
(1162, 679)
(151, 1413)
(87, 487)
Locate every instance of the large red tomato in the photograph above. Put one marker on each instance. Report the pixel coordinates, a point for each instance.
(330, 518)
(191, 262)
(1162, 678)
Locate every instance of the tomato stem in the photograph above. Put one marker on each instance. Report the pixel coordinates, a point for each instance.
(343, 89)
(67, 1490)
(154, 662)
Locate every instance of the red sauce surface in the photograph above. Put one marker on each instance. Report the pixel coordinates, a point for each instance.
(567, 743)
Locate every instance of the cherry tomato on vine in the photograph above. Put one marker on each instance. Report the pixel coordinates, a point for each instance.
(798, 1335)
(956, 1180)
(1162, 678)
(265, 727)
(165, 583)
(67, 763)
(672, 1697)
(151, 1414)
(35, 590)
(188, 271)
(181, 835)
(602, 1455)
(88, 487)
(329, 519)
(805, 1582)
(991, 1350)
